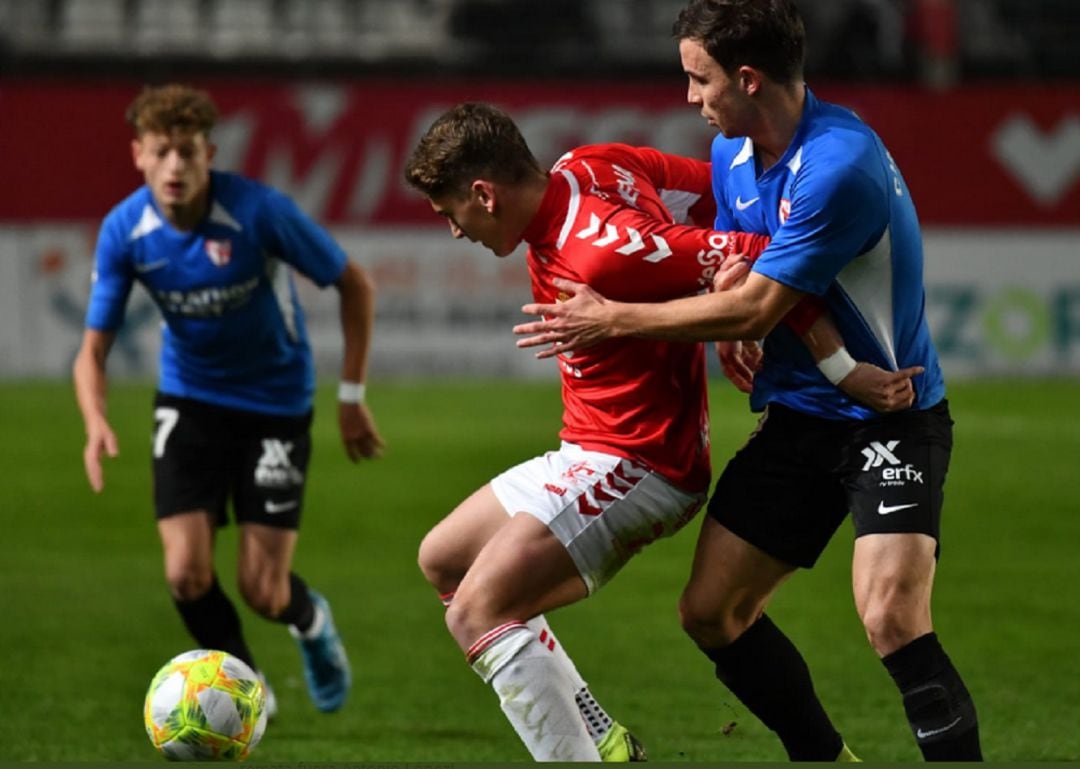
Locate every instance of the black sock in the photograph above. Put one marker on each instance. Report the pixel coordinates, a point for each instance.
(214, 624)
(938, 705)
(300, 611)
(766, 672)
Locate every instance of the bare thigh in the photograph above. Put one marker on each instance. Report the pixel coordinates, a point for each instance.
(522, 571)
(731, 582)
(450, 548)
(892, 578)
(187, 541)
(265, 560)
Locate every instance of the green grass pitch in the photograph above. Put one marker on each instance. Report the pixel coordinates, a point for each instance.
(85, 618)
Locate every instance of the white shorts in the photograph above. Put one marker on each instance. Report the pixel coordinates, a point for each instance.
(603, 508)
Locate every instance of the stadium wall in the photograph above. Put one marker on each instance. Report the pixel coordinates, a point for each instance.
(995, 173)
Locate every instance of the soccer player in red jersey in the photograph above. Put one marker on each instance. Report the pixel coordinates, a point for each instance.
(634, 464)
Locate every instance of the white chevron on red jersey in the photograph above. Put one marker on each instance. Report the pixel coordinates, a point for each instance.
(608, 219)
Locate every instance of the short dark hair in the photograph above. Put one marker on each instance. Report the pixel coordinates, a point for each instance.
(470, 141)
(764, 34)
(172, 107)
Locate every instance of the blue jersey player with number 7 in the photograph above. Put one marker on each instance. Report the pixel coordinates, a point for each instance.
(233, 409)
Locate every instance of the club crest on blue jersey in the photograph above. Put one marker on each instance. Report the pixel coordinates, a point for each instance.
(219, 251)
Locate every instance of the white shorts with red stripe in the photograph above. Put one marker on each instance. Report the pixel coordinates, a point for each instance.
(603, 508)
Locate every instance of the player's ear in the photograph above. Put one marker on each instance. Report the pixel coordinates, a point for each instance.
(749, 80)
(136, 154)
(485, 194)
(211, 150)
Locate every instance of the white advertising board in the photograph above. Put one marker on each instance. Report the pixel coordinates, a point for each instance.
(998, 302)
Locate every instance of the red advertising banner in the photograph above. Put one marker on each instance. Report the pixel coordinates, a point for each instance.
(993, 156)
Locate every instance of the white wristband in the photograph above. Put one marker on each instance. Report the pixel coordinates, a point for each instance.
(351, 392)
(837, 366)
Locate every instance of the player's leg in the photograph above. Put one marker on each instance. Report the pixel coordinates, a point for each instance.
(771, 513)
(581, 516)
(722, 610)
(190, 488)
(268, 492)
(446, 554)
(893, 577)
(267, 584)
(449, 549)
(208, 614)
(523, 571)
(896, 504)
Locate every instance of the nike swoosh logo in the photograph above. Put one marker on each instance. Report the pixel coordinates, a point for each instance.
(883, 509)
(923, 735)
(743, 205)
(151, 266)
(280, 507)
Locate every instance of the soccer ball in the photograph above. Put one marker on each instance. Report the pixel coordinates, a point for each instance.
(205, 705)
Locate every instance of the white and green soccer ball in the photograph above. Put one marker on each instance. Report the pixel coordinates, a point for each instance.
(205, 705)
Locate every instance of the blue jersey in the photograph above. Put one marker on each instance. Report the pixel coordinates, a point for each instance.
(843, 227)
(234, 332)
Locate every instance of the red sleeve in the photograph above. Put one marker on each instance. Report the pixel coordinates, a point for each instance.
(628, 255)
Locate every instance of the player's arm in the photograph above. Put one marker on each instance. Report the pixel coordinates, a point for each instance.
(358, 430)
(91, 392)
(881, 390)
(310, 249)
(109, 290)
(686, 187)
(671, 259)
(747, 312)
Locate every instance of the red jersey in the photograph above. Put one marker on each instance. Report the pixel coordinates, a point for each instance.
(609, 219)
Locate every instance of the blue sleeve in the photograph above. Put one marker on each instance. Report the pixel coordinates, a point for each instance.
(838, 211)
(111, 282)
(292, 235)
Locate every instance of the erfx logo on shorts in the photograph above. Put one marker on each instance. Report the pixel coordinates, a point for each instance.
(895, 473)
(275, 469)
(877, 454)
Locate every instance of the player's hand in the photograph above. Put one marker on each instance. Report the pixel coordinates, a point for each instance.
(100, 439)
(881, 390)
(732, 273)
(740, 361)
(580, 321)
(358, 432)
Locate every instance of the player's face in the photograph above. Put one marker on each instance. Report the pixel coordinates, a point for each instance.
(176, 166)
(470, 216)
(722, 101)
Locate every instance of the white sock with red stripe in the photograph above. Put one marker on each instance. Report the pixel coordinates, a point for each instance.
(535, 692)
(597, 721)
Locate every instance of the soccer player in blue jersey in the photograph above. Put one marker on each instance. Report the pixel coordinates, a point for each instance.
(821, 183)
(233, 409)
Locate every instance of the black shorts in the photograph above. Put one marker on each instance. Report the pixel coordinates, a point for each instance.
(204, 455)
(787, 490)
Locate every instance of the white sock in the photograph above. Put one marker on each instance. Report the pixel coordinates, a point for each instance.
(597, 721)
(535, 692)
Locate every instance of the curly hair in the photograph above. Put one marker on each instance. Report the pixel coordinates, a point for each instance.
(470, 141)
(172, 107)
